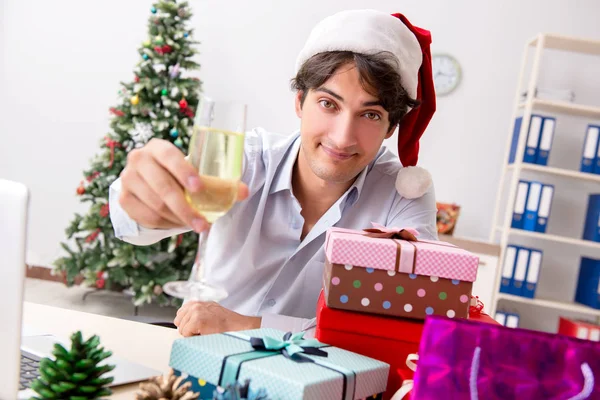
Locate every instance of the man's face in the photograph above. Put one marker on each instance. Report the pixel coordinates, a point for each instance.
(342, 126)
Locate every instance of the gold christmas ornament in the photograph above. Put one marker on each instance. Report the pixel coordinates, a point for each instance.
(135, 100)
(165, 387)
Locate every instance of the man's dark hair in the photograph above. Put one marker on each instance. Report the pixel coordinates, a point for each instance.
(377, 76)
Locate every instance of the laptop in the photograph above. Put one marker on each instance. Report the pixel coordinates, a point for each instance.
(21, 347)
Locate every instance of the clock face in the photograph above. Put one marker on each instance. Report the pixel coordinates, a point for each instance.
(446, 73)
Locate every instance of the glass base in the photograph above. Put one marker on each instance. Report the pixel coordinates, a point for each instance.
(199, 291)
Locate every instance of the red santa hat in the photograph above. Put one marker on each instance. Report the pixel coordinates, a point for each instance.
(369, 32)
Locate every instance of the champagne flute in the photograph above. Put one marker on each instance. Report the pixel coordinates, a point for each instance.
(217, 152)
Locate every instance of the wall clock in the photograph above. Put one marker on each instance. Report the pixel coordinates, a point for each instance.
(446, 73)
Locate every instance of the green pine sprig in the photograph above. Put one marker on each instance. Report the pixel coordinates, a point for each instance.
(75, 374)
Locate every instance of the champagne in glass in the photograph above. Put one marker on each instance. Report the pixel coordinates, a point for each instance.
(217, 152)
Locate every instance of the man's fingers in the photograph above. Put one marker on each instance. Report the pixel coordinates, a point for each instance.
(171, 158)
(144, 215)
(142, 190)
(172, 194)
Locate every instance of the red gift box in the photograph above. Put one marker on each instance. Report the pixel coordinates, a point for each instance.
(374, 271)
(579, 329)
(388, 339)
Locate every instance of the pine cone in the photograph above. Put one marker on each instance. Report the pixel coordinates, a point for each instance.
(166, 387)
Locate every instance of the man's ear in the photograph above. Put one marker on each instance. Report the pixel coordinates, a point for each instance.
(298, 102)
(391, 132)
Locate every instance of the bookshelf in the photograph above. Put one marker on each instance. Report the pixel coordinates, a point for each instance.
(501, 231)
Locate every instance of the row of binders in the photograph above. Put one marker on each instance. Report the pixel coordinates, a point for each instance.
(539, 139)
(532, 206)
(540, 136)
(590, 160)
(521, 271)
(510, 320)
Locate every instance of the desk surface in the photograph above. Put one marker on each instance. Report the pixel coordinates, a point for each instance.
(146, 344)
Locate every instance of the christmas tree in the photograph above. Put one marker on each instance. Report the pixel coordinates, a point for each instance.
(158, 103)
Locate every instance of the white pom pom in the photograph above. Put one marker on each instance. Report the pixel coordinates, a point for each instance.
(413, 182)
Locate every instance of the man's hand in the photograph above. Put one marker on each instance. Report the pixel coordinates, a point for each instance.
(205, 318)
(152, 187)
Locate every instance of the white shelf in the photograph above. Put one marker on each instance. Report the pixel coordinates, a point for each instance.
(563, 107)
(553, 238)
(566, 43)
(558, 171)
(573, 307)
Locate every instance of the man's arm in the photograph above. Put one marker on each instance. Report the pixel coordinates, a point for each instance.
(417, 213)
(127, 229)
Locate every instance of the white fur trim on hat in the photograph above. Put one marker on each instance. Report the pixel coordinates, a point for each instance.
(367, 32)
(413, 182)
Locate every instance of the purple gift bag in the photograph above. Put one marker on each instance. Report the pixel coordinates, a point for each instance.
(462, 359)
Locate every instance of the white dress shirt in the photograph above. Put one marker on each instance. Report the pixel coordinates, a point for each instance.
(255, 251)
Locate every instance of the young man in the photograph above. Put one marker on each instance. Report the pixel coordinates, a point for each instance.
(360, 75)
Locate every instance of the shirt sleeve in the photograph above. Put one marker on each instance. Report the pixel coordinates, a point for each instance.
(130, 231)
(419, 214)
(289, 324)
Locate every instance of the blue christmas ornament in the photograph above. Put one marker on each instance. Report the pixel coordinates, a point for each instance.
(145, 56)
(178, 142)
(153, 10)
(186, 34)
(174, 133)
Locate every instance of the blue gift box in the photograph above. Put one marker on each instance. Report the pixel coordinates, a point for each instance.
(285, 365)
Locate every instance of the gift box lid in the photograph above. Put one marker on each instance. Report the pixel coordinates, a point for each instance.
(422, 257)
(211, 358)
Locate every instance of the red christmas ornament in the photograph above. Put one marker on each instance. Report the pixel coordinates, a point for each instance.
(93, 176)
(81, 189)
(166, 49)
(189, 113)
(183, 103)
(136, 79)
(99, 274)
(158, 49)
(100, 283)
(92, 236)
(104, 211)
(116, 112)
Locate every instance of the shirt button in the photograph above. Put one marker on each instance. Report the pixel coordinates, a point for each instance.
(271, 302)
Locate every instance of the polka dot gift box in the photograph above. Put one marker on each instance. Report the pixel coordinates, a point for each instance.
(378, 271)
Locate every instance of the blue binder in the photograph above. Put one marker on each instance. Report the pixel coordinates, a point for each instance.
(544, 208)
(508, 269)
(532, 206)
(520, 202)
(512, 320)
(591, 229)
(520, 271)
(590, 147)
(588, 284)
(546, 140)
(533, 139)
(515, 140)
(533, 273)
(500, 318)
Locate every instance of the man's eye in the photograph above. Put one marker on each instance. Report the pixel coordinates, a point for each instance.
(373, 116)
(326, 104)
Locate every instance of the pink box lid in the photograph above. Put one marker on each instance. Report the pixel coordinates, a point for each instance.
(433, 258)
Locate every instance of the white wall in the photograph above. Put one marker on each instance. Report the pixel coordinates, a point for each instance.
(64, 59)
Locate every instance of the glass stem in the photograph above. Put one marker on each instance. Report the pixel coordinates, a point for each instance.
(198, 275)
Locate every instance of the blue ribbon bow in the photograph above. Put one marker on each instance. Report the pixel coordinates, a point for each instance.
(290, 346)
